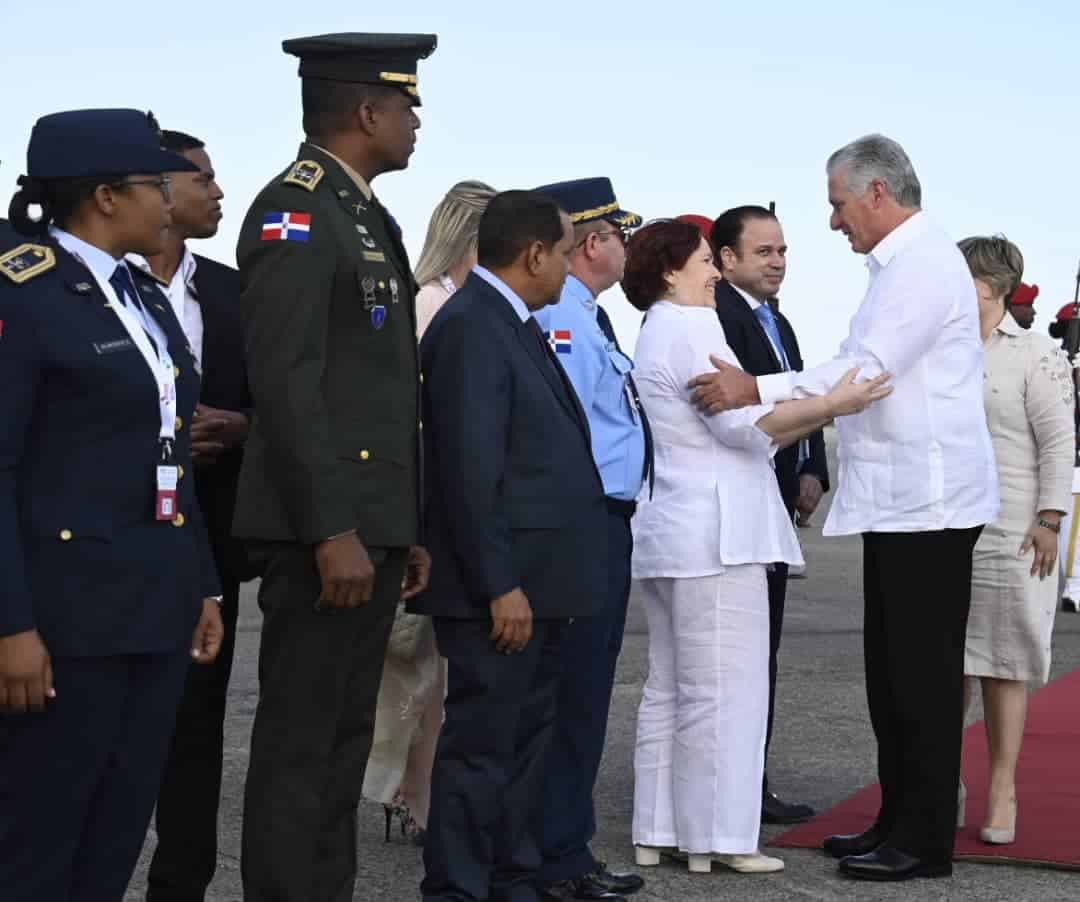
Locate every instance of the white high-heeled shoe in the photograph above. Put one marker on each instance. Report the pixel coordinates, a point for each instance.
(1000, 836)
(755, 863)
(961, 806)
(649, 856)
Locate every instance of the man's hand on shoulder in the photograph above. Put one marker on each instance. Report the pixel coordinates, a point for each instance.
(726, 389)
(511, 621)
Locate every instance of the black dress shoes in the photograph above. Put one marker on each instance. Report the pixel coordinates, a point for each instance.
(889, 863)
(850, 844)
(567, 890)
(622, 882)
(777, 811)
(599, 886)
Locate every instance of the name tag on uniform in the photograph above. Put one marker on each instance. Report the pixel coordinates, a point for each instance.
(165, 505)
(374, 256)
(111, 347)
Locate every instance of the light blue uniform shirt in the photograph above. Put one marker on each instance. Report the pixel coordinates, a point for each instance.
(600, 376)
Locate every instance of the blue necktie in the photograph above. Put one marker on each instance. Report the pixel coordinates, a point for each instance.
(129, 297)
(767, 318)
(768, 323)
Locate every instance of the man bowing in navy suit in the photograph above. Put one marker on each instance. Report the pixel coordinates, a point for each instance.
(515, 520)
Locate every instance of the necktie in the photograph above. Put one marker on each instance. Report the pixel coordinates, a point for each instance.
(129, 297)
(768, 323)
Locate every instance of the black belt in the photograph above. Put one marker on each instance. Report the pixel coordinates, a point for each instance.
(622, 508)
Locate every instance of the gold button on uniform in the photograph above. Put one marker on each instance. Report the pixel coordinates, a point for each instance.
(176, 372)
(179, 424)
(365, 454)
(178, 520)
(65, 535)
(179, 472)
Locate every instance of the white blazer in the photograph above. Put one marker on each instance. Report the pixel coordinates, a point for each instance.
(716, 502)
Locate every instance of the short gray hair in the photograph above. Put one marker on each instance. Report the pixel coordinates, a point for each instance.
(995, 260)
(875, 157)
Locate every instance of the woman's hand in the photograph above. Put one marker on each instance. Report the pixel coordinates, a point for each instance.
(209, 633)
(848, 396)
(1045, 543)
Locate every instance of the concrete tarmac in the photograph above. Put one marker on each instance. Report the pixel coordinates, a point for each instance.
(822, 751)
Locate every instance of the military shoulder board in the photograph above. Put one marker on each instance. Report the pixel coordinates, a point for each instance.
(26, 261)
(305, 173)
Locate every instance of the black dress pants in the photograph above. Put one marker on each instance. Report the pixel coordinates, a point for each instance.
(187, 808)
(483, 839)
(777, 579)
(917, 592)
(319, 675)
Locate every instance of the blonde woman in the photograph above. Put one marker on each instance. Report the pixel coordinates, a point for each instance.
(409, 714)
(449, 252)
(1028, 395)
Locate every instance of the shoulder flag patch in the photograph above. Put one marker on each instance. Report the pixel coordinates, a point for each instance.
(27, 261)
(560, 341)
(286, 227)
(305, 173)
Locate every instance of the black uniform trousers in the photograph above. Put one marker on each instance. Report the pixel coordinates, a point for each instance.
(777, 579)
(917, 593)
(319, 675)
(78, 781)
(187, 809)
(483, 838)
(590, 651)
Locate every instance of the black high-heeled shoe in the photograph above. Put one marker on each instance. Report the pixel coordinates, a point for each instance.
(409, 828)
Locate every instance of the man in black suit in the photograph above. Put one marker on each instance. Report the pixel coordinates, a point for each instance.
(205, 295)
(751, 252)
(516, 519)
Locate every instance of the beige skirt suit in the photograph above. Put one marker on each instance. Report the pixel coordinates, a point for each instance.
(1028, 394)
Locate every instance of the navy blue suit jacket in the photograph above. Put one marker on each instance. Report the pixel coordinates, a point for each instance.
(512, 495)
(85, 562)
(747, 339)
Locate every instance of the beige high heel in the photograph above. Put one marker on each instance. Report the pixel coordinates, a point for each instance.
(1001, 836)
(754, 863)
(648, 856)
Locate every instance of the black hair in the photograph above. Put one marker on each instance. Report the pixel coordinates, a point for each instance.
(59, 200)
(327, 105)
(728, 227)
(512, 221)
(179, 142)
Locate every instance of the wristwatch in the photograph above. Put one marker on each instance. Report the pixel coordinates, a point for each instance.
(1046, 524)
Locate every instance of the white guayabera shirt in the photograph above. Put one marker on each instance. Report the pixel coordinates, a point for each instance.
(920, 459)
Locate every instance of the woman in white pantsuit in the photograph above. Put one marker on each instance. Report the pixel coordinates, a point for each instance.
(702, 542)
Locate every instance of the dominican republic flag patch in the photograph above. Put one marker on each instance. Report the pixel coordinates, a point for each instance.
(286, 227)
(559, 339)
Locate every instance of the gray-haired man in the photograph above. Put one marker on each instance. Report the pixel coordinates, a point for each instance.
(918, 481)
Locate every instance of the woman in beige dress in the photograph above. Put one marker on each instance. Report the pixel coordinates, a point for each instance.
(409, 712)
(1029, 409)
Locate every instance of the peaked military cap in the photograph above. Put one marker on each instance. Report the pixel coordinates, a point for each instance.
(86, 143)
(376, 59)
(587, 200)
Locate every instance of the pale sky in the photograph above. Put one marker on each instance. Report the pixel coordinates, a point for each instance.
(688, 107)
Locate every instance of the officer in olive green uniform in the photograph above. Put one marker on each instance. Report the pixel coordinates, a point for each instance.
(329, 490)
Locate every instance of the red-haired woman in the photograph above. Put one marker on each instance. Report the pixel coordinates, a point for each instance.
(701, 545)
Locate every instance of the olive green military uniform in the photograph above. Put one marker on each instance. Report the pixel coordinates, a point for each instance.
(328, 303)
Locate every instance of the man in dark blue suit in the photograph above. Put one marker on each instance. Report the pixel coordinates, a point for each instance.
(516, 521)
(752, 255)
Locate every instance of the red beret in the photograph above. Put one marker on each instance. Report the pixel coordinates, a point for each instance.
(1025, 295)
(1066, 313)
(702, 222)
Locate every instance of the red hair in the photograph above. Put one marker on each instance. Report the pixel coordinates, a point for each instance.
(654, 251)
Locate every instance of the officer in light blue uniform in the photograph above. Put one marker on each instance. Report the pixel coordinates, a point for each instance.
(107, 585)
(584, 342)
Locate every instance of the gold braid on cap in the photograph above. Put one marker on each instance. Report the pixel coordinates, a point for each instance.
(594, 213)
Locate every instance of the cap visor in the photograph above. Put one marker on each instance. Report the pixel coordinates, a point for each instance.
(626, 218)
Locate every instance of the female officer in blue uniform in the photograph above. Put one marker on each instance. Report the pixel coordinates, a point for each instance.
(107, 586)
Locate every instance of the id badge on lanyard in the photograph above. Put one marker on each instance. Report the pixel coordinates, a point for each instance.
(167, 473)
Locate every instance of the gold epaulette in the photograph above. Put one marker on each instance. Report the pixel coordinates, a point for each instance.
(305, 173)
(27, 261)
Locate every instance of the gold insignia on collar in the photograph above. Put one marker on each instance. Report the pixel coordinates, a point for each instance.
(305, 173)
(26, 261)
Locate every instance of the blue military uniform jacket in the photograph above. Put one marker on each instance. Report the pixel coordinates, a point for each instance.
(599, 371)
(85, 561)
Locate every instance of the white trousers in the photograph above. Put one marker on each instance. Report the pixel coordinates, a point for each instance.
(700, 751)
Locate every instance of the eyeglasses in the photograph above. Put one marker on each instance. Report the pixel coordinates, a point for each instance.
(622, 233)
(161, 183)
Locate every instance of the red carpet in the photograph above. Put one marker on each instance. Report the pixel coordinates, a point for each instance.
(1047, 790)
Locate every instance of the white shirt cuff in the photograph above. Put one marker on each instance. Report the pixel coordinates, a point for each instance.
(776, 387)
